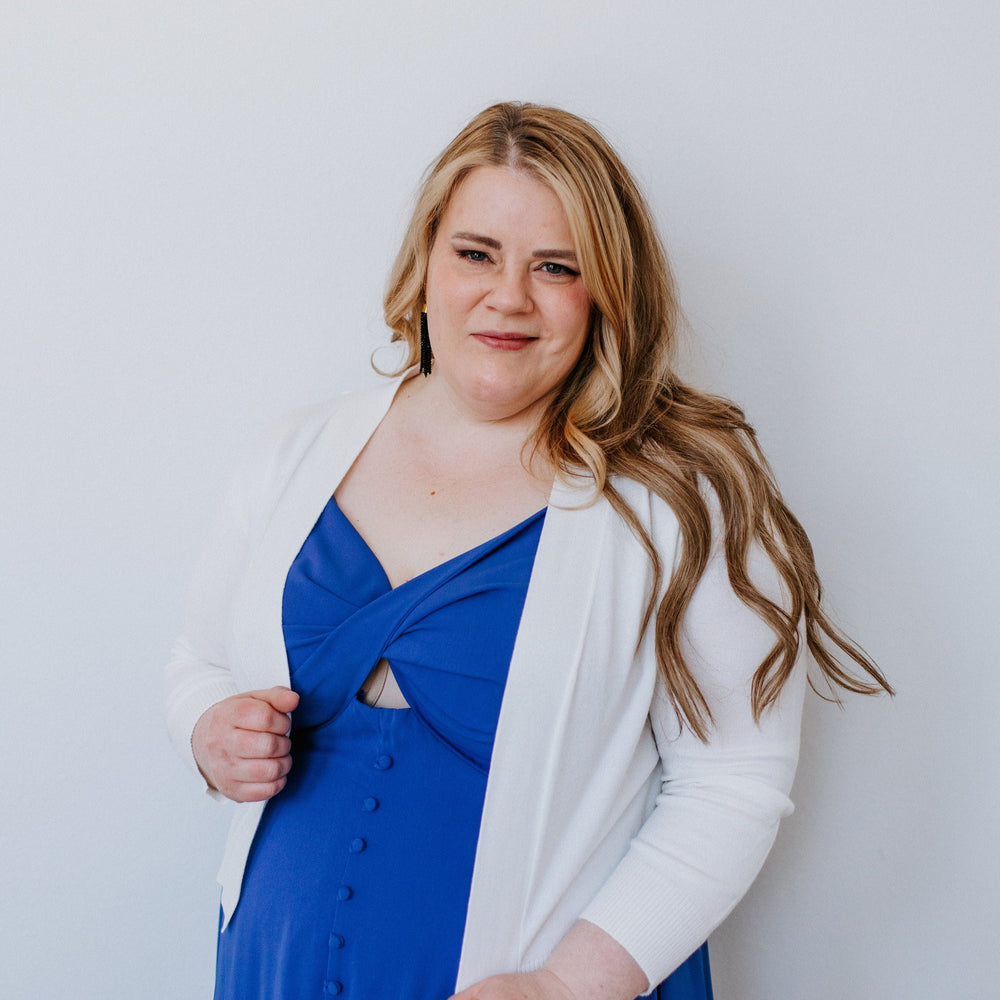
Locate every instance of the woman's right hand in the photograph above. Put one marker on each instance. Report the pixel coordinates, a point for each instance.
(241, 744)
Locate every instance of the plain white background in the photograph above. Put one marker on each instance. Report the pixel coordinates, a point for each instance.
(199, 203)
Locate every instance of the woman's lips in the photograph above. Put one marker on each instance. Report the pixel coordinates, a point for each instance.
(504, 341)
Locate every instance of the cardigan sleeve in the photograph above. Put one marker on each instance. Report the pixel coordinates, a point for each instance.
(719, 804)
(199, 673)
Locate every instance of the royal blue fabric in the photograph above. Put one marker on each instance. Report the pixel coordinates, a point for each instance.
(358, 879)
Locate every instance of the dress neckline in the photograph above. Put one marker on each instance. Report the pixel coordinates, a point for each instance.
(490, 543)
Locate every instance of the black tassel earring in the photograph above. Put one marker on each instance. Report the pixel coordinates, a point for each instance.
(426, 358)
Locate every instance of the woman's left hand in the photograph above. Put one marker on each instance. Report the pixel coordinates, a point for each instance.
(540, 985)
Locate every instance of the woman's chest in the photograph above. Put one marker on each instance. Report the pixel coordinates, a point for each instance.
(417, 510)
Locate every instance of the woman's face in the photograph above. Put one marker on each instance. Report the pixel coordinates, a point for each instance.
(507, 310)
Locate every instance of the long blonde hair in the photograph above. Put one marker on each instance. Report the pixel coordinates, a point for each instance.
(622, 411)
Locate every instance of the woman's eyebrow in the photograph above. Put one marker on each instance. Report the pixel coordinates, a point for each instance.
(476, 238)
(561, 254)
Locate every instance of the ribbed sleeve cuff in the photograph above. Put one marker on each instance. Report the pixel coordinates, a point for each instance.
(659, 945)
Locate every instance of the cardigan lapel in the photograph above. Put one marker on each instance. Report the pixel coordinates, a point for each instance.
(531, 728)
(351, 421)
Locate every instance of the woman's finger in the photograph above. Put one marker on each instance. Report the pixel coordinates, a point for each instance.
(281, 699)
(251, 745)
(259, 770)
(254, 714)
(253, 792)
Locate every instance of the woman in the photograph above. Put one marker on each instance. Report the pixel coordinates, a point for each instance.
(539, 617)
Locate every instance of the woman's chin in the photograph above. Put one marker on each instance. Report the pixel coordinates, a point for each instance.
(496, 397)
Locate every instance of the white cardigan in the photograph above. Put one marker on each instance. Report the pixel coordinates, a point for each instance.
(598, 804)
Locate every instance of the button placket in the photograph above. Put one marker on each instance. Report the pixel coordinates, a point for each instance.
(382, 762)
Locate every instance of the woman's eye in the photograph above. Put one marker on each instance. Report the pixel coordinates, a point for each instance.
(551, 267)
(476, 256)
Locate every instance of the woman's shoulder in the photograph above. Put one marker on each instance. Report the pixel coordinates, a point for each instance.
(285, 443)
(577, 491)
(652, 511)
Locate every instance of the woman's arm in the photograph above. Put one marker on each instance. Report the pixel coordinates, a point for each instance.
(233, 739)
(237, 742)
(720, 802)
(717, 811)
(198, 674)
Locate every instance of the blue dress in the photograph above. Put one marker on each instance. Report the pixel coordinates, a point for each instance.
(358, 879)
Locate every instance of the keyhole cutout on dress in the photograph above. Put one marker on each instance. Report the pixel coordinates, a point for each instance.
(380, 689)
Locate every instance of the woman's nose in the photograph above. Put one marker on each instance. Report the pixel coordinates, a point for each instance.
(510, 292)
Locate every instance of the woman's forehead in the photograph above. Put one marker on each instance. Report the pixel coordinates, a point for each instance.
(507, 199)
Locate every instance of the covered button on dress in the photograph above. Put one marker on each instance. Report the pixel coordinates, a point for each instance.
(358, 880)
